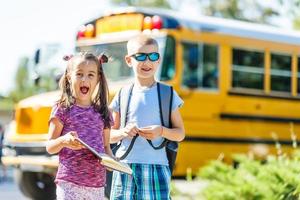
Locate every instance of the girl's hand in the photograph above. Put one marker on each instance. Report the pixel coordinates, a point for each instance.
(151, 132)
(69, 141)
(130, 130)
(109, 152)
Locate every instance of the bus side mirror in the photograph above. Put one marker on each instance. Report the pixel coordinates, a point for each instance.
(37, 56)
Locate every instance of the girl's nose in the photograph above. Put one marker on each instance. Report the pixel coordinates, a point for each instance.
(83, 78)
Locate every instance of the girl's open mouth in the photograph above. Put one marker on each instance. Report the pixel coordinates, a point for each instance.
(84, 89)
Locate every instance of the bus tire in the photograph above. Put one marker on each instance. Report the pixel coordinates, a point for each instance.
(36, 185)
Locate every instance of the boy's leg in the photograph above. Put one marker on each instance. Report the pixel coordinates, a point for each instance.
(123, 187)
(153, 182)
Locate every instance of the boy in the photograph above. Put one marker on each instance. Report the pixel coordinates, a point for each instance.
(151, 174)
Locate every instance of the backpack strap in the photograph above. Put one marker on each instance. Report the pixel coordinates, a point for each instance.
(165, 100)
(124, 100)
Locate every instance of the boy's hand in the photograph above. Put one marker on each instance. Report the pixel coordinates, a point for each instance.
(69, 141)
(151, 132)
(130, 130)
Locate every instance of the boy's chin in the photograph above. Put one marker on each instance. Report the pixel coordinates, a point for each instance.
(146, 76)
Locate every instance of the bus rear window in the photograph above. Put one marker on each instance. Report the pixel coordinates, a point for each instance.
(116, 69)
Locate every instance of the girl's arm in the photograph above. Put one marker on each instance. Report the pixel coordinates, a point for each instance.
(106, 138)
(118, 134)
(56, 142)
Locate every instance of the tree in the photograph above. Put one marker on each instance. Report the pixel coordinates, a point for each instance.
(292, 11)
(23, 85)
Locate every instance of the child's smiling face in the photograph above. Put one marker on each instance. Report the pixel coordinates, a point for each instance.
(143, 69)
(84, 78)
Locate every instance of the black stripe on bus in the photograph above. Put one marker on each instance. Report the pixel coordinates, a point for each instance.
(258, 118)
(236, 140)
(269, 96)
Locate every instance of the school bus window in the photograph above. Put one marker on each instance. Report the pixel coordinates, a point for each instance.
(168, 63)
(281, 72)
(210, 66)
(200, 62)
(247, 69)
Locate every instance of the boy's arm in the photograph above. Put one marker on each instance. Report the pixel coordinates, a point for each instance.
(176, 133)
(118, 134)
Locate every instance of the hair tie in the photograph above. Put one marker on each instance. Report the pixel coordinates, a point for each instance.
(102, 58)
(67, 57)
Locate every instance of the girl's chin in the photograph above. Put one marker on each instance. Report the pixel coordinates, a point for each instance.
(84, 97)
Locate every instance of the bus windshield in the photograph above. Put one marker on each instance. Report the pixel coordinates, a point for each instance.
(117, 69)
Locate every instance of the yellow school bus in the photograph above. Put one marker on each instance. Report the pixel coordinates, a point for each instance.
(239, 82)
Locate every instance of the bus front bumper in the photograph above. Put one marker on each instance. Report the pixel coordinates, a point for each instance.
(32, 163)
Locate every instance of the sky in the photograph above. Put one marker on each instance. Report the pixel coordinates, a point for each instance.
(27, 25)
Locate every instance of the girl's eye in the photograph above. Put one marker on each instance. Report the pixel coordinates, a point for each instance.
(91, 75)
(78, 74)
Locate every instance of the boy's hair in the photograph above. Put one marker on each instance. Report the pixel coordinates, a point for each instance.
(100, 101)
(140, 40)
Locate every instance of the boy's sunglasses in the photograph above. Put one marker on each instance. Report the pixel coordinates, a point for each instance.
(154, 56)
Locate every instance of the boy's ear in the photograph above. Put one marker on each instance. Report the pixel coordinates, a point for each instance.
(128, 60)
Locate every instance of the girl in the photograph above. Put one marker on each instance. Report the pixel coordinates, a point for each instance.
(82, 113)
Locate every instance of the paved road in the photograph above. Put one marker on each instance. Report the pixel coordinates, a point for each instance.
(9, 190)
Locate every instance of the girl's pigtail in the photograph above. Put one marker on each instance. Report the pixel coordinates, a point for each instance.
(103, 92)
(103, 58)
(66, 98)
(67, 57)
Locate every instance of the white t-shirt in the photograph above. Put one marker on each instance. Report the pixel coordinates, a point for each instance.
(144, 111)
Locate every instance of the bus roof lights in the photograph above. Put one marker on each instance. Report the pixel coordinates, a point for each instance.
(157, 22)
(81, 32)
(147, 23)
(90, 31)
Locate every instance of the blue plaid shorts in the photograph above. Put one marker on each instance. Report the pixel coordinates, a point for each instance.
(148, 182)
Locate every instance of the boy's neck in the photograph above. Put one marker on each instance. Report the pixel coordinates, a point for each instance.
(145, 82)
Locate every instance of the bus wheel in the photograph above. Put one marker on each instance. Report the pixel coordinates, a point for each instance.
(36, 185)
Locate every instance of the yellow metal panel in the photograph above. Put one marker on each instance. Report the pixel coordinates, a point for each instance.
(267, 78)
(294, 75)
